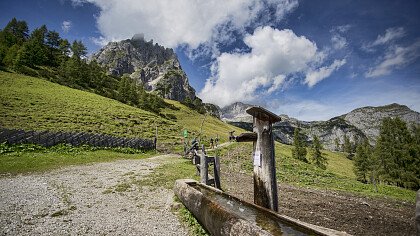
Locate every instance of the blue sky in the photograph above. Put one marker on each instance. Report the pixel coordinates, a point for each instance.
(312, 60)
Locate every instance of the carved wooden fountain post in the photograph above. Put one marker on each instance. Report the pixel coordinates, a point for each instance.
(265, 182)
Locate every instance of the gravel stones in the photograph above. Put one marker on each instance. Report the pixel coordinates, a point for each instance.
(88, 200)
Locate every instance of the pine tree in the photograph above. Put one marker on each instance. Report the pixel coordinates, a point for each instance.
(346, 144)
(79, 50)
(317, 157)
(347, 147)
(34, 52)
(337, 144)
(15, 32)
(362, 162)
(394, 152)
(299, 150)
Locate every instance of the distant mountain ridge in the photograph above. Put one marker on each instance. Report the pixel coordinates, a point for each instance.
(368, 119)
(152, 65)
(357, 125)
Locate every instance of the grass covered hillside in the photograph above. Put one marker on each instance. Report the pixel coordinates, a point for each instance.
(338, 175)
(35, 104)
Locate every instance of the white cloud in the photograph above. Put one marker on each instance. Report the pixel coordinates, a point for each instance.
(189, 22)
(100, 41)
(66, 26)
(395, 57)
(302, 109)
(391, 34)
(338, 41)
(275, 55)
(315, 76)
(343, 28)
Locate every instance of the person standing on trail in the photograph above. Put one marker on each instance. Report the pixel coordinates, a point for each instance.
(211, 143)
(418, 212)
(217, 140)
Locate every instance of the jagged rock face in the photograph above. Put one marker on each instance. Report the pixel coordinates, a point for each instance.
(236, 112)
(149, 64)
(212, 110)
(327, 131)
(357, 125)
(368, 119)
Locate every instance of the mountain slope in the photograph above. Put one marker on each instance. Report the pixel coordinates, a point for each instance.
(368, 119)
(236, 112)
(152, 65)
(36, 104)
(358, 124)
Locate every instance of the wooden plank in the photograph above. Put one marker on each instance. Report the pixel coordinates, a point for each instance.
(263, 114)
(246, 137)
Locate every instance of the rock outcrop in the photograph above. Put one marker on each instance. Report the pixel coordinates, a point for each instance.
(236, 112)
(368, 119)
(155, 67)
(357, 125)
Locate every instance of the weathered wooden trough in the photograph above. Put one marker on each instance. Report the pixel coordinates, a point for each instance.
(223, 214)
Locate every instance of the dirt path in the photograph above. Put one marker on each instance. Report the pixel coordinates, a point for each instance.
(88, 200)
(344, 212)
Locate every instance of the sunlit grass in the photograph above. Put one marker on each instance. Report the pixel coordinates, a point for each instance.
(33, 158)
(36, 104)
(338, 175)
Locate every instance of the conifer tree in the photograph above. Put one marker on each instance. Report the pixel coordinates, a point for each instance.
(299, 150)
(347, 147)
(337, 144)
(396, 155)
(79, 50)
(362, 161)
(346, 144)
(317, 157)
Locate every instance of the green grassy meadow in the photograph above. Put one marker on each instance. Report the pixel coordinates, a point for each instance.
(35, 104)
(338, 175)
(28, 158)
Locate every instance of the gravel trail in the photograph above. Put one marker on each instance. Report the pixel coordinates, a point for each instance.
(88, 200)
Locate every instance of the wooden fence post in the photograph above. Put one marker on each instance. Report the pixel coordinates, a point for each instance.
(265, 182)
(217, 172)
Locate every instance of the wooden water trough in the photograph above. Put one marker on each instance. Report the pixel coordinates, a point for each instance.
(222, 214)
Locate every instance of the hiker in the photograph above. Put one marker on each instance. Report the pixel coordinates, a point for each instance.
(211, 143)
(194, 144)
(217, 141)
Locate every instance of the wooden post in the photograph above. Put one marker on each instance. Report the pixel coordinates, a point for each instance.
(155, 140)
(216, 167)
(265, 182)
(204, 177)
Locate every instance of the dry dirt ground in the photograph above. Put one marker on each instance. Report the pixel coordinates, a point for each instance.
(344, 212)
(88, 200)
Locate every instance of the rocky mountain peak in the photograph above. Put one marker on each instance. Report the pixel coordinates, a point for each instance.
(155, 67)
(368, 119)
(357, 125)
(236, 112)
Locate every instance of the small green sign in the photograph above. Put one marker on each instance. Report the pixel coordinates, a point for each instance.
(185, 133)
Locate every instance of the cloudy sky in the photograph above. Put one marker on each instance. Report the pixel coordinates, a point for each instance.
(308, 59)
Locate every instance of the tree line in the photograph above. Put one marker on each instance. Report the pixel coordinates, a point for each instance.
(394, 160)
(299, 150)
(43, 53)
